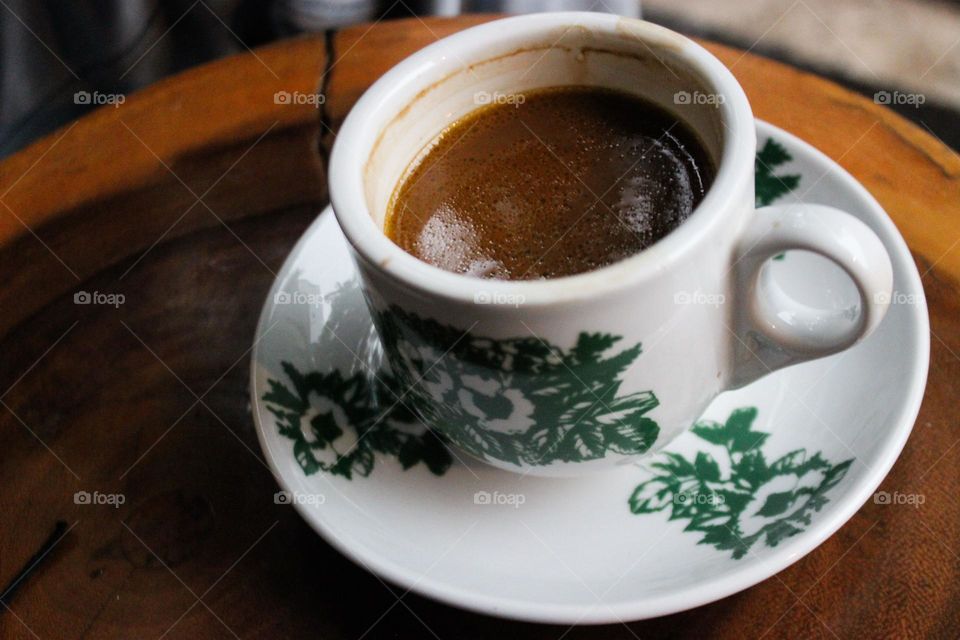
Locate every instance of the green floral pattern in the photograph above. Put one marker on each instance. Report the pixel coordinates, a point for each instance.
(754, 499)
(519, 400)
(770, 187)
(348, 426)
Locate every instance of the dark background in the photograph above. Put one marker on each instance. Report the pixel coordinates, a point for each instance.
(51, 49)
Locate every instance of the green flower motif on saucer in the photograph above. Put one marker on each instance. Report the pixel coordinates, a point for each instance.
(521, 400)
(753, 500)
(770, 187)
(348, 426)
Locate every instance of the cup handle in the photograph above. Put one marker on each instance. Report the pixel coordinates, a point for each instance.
(771, 329)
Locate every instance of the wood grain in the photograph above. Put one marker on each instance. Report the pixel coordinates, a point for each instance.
(199, 149)
(149, 399)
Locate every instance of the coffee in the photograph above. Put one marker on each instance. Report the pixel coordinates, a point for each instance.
(547, 184)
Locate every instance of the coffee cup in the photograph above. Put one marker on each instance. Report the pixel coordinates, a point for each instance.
(582, 373)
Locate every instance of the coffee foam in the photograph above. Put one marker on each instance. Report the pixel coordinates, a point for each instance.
(569, 180)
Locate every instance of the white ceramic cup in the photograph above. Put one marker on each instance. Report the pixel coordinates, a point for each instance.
(580, 373)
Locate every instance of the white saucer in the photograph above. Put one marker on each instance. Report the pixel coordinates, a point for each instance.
(693, 524)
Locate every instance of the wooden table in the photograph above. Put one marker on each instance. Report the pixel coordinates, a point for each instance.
(186, 200)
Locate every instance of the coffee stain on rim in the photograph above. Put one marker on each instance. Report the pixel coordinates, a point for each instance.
(432, 86)
(677, 44)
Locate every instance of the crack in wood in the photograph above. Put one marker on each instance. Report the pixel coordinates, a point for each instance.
(32, 564)
(326, 126)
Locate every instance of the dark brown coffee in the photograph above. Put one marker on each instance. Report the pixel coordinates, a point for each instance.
(548, 184)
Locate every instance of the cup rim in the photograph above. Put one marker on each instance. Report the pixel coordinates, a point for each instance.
(388, 96)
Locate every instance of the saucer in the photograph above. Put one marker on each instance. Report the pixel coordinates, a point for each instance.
(768, 473)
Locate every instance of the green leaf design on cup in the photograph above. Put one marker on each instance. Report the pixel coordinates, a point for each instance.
(348, 426)
(753, 500)
(519, 400)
